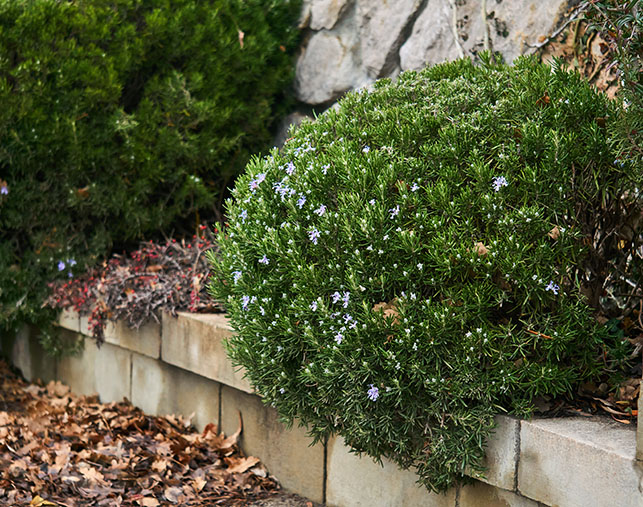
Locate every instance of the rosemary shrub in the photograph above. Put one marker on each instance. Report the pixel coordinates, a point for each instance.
(411, 263)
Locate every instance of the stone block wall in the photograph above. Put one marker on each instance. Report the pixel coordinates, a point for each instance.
(179, 366)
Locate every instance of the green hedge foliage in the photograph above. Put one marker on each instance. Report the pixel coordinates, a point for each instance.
(122, 119)
(415, 261)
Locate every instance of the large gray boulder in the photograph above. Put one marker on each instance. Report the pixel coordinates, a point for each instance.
(351, 43)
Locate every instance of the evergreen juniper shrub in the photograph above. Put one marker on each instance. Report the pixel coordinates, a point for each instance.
(411, 263)
(124, 120)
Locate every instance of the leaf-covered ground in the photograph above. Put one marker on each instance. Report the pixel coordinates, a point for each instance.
(57, 448)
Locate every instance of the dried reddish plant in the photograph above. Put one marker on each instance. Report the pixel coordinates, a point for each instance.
(136, 288)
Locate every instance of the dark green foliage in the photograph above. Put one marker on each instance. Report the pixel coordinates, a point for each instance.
(122, 119)
(620, 23)
(412, 263)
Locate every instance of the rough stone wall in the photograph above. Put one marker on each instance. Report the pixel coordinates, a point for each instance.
(351, 43)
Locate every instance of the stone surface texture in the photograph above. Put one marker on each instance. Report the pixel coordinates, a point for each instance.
(502, 453)
(112, 372)
(29, 357)
(146, 340)
(161, 389)
(483, 495)
(286, 452)
(349, 43)
(194, 342)
(77, 371)
(361, 482)
(579, 462)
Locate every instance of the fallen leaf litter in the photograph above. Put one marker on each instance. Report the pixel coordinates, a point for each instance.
(60, 449)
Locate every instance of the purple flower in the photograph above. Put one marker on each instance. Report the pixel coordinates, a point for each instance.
(290, 168)
(244, 302)
(336, 296)
(313, 306)
(346, 298)
(314, 235)
(499, 182)
(236, 275)
(70, 275)
(264, 260)
(325, 169)
(243, 215)
(347, 318)
(366, 149)
(553, 287)
(415, 187)
(4, 190)
(282, 189)
(394, 211)
(61, 265)
(373, 393)
(71, 262)
(320, 211)
(338, 338)
(254, 184)
(301, 201)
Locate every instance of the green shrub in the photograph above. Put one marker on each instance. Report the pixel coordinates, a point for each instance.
(412, 263)
(620, 24)
(124, 119)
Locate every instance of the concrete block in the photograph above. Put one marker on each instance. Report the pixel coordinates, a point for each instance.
(578, 462)
(194, 342)
(355, 482)
(28, 355)
(480, 494)
(77, 371)
(502, 453)
(160, 389)
(70, 320)
(83, 324)
(287, 453)
(145, 340)
(113, 370)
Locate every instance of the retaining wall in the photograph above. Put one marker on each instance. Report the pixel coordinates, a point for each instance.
(179, 366)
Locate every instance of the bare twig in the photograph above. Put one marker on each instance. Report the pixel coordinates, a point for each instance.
(579, 10)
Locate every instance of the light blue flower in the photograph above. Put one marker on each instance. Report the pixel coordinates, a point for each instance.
(264, 260)
(236, 275)
(301, 201)
(552, 287)
(394, 212)
(499, 182)
(314, 235)
(338, 338)
(245, 300)
(313, 306)
(320, 211)
(366, 149)
(373, 393)
(61, 265)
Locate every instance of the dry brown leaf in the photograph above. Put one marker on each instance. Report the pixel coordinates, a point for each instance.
(241, 465)
(148, 501)
(554, 233)
(481, 249)
(198, 484)
(389, 310)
